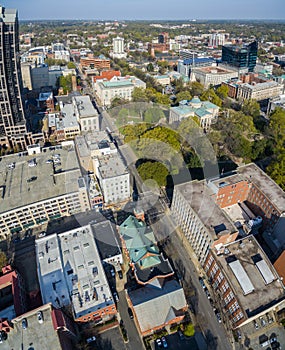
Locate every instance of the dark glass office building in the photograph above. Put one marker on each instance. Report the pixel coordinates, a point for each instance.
(12, 117)
(240, 56)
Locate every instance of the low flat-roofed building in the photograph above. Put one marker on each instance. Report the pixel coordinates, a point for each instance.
(275, 102)
(162, 79)
(92, 145)
(70, 272)
(39, 188)
(213, 75)
(114, 178)
(94, 192)
(121, 87)
(107, 243)
(95, 62)
(56, 332)
(158, 305)
(259, 91)
(243, 279)
(200, 218)
(86, 113)
(13, 294)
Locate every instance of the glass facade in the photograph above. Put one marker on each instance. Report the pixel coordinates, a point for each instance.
(241, 56)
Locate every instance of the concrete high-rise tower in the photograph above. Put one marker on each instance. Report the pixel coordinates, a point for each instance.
(118, 48)
(13, 130)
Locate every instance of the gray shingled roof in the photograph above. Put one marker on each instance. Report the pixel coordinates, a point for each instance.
(155, 306)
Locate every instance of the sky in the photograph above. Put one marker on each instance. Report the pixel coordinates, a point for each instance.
(147, 9)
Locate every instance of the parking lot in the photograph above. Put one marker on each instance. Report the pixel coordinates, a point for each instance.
(174, 342)
(109, 340)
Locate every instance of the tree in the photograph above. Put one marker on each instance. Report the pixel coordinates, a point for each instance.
(155, 171)
(65, 83)
(251, 107)
(150, 67)
(210, 95)
(153, 115)
(277, 128)
(3, 259)
(183, 95)
(71, 65)
(276, 170)
(139, 95)
(196, 89)
(222, 91)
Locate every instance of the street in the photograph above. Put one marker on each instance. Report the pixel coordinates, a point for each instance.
(135, 341)
(163, 227)
(214, 332)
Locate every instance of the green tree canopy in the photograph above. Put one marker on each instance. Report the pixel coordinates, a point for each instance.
(251, 107)
(71, 65)
(155, 171)
(153, 115)
(139, 95)
(3, 259)
(183, 95)
(222, 91)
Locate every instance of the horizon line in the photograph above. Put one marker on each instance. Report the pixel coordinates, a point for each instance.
(147, 19)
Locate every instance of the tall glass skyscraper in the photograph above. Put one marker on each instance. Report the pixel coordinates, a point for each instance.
(240, 56)
(12, 118)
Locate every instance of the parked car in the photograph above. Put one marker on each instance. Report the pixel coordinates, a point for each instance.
(24, 323)
(130, 312)
(91, 339)
(158, 342)
(202, 282)
(116, 297)
(207, 293)
(164, 342)
(40, 317)
(120, 274)
(181, 335)
(218, 315)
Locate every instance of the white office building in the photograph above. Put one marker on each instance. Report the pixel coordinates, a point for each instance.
(71, 273)
(118, 48)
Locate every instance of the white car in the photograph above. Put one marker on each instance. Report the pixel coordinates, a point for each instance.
(40, 317)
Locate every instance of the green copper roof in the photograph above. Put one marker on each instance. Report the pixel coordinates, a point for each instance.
(139, 240)
(195, 100)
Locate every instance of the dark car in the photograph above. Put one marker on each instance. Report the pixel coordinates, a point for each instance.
(219, 318)
(164, 342)
(130, 312)
(202, 282)
(181, 335)
(120, 274)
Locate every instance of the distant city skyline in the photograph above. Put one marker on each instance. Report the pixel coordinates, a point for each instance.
(147, 9)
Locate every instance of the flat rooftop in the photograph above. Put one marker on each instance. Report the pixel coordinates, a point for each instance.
(92, 142)
(214, 70)
(251, 275)
(66, 119)
(42, 336)
(272, 191)
(106, 239)
(198, 195)
(49, 180)
(111, 165)
(217, 183)
(69, 267)
(85, 106)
